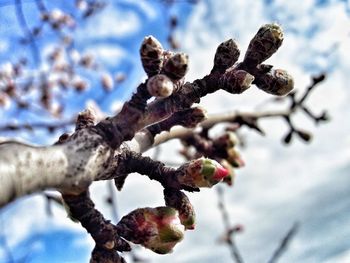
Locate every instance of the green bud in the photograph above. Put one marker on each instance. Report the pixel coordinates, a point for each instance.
(182, 204)
(234, 158)
(201, 173)
(158, 229)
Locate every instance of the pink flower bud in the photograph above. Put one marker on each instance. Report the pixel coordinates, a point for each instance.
(158, 229)
(230, 178)
(202, 173)
(182, 204)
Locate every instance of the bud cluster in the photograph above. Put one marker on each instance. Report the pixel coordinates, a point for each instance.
(165, 69)
(231, 157)
(58, 19)
(238, 78)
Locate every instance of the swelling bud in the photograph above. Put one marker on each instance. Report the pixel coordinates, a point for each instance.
(202, 172)
(158, 229)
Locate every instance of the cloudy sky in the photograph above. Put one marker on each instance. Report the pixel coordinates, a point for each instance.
(279, 185)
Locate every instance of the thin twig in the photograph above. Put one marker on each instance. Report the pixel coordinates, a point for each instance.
(284, 243)
(315, 81)
(113, 201)
(236, 255)
(41, 6)
(27, 32)
(181, 132)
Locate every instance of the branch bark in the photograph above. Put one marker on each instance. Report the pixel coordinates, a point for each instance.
(69, 167)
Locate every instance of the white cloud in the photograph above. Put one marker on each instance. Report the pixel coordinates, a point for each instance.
(111, 23)
(23, 223)
(145, 6)
(108, 54)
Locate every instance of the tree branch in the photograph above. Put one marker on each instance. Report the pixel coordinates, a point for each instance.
(70, 167)
(96, 152)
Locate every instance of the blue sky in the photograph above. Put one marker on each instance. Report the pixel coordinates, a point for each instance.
(278, 186)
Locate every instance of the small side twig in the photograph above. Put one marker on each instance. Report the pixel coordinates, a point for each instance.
(26, 30)
(112, 201)
(236, 255)
(282, 247)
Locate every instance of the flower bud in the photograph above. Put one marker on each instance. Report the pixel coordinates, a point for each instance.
(201, 173)
(227, 140)
(79, 84)
(235, 81)
(276, 82)
(266, 42)
(151, 53)
(323, 117)
(4, 100)
(234, 158)
(158, 229)
(288, 138)
(87, 61)
(189, 118)
(160, 86)
(176, 66)
(304, 135)
(226, 55)
(178, 200)
(107, 82)
(230, 178)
